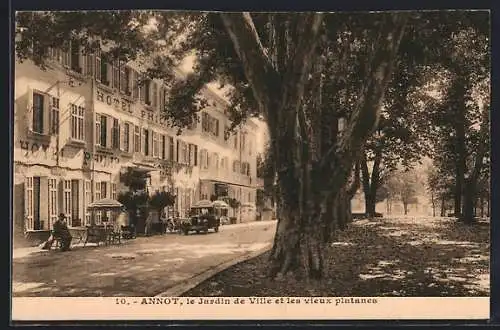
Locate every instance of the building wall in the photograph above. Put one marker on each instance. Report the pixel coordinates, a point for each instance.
(72, 172)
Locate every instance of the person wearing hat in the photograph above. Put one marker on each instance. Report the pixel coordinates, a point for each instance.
(60, 231)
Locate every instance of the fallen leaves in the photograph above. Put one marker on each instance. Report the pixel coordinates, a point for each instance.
(386, 257)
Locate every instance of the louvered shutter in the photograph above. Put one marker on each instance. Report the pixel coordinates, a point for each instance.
(29, 109)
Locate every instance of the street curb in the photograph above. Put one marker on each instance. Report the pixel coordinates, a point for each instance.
(192, 282)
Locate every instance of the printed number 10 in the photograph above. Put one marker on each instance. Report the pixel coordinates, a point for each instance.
(121, 301)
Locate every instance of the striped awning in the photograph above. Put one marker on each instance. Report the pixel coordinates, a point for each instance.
(105, 204)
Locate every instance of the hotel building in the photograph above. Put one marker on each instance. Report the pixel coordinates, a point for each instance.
(82, 121)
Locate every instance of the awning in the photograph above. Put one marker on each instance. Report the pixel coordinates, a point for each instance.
(203, 203)
(105, 204)
(220, 204)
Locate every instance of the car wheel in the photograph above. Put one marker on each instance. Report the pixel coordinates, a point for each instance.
(216, 229)
(185, 232)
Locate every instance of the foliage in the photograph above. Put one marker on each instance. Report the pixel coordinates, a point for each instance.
(161, 199)
(133, 200)
(133, 179)
(233, 203)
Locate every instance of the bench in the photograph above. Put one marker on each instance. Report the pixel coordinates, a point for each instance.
(128, 232)
(96, 234)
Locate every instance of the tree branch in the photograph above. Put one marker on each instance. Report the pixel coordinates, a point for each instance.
(365, 116)
(256, 64)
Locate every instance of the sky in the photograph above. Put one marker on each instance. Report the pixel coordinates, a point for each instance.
(262, 136)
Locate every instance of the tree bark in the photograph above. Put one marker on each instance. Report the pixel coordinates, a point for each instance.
(459, 86)
(470, 194)
(443, 208)
(304, 192)
(371, 183)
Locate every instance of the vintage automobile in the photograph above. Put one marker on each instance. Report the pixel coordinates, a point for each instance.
(203, 216)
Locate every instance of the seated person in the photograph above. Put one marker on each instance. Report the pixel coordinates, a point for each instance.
(60, 231)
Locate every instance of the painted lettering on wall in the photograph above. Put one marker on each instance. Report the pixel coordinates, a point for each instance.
(101, 159)
(33, 147)
(114, 101)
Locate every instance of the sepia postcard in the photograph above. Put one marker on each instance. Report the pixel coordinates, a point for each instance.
(188, 165)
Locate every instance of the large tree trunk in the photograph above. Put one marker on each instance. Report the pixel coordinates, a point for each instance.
(459, 91)
(443, 207)
(470, 193)
(278, 88)
(371, 183)
(433, 201)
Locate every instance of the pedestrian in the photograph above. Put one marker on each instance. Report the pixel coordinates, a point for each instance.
(149, 224)
(61, 232)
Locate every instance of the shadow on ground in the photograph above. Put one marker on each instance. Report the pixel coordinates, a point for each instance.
(140, 270)
(383, 257)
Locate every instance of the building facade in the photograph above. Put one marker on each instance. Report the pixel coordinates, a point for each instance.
(82, 121)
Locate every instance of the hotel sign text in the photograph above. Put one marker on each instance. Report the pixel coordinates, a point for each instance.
(111, 100)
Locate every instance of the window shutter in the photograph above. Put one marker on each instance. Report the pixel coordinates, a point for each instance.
(121, 131)
(46, 113)
(177, 153)
(28, 203)
(155, 95)
(109, 131)
(135, 84)
(98, 65)
(29, 109)
(131, 138)
(150, 144)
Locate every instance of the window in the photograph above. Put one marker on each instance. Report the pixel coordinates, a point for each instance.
(75, 221)
(54, 115)
(97, 192)
(204, 122)
(162, 98)
(97, 129)
(210, 124)
(67, 198)
(147, 92)
(88, 200)
(115, 134)
(125, 79)
(207, 160)
(243, 140)
(28, 202)
(52, 201)
(154, 95)
(104, 129)
(116, 75)
(235, 141)
(226, 133)
(75, 56)
(113, 191)
(170, 148)
(89, 64)
(101, 69)
(104, 192)
(126, 137)
(236, 166)
(193, 154)
(184, 156)
(155, 144)
(137, 139)
(145, 142)
(38, 103)
(135, 84)
(77, 127)
(163, 147)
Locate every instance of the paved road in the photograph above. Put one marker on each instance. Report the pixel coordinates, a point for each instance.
(145, 266)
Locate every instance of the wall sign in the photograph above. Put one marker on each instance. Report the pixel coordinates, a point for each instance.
(101, 159)
(34, 147)
(114, 101)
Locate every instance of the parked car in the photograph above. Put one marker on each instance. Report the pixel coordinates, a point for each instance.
(203, 216)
